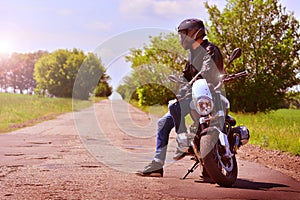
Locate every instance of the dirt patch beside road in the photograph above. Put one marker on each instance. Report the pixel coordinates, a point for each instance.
(284, 162)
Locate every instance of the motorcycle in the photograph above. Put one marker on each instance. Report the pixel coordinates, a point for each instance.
(216, 136)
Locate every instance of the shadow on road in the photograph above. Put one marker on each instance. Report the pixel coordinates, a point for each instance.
(247, 184)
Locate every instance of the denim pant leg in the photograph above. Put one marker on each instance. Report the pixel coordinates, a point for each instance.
(165, 125)
(178, 112)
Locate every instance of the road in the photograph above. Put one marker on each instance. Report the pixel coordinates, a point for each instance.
(93, 154)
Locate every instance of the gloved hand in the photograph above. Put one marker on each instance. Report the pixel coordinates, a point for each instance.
(183, 91)
(172, 102)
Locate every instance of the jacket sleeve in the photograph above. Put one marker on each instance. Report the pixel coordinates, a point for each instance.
(189, 71)
(212, 65)
(187, 75)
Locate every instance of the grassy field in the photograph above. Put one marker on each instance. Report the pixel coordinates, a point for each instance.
(18, 110)
(275, 130)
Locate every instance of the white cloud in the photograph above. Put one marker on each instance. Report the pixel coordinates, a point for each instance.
(161, 8)
(134, 8)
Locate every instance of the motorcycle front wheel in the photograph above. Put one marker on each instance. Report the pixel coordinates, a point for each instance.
(221, 168)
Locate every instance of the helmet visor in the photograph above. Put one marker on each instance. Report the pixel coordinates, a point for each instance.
(182, 35)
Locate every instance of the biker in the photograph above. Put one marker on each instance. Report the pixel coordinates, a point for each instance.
(203, 56)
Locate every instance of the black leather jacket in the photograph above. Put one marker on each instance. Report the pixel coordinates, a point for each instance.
(208, 58)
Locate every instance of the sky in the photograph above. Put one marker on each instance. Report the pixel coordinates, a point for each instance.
(32, 25)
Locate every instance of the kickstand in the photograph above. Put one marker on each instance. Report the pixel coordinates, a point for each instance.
(192, 169)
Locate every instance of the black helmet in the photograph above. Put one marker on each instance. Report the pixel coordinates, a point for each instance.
(191, 24)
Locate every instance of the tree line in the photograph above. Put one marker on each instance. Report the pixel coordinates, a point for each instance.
(16, 71)
(54, 73)
(268, 36)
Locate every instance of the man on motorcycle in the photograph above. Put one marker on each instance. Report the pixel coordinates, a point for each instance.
(205, 57)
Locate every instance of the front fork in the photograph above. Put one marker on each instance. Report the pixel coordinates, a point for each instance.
(219, 121)
(196, 140)
(221, 125)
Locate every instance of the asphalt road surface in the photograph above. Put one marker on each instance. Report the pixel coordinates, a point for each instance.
(93, 154)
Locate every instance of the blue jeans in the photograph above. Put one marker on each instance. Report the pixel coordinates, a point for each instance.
(174, 118)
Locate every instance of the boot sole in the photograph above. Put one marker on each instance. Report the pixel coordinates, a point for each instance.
(149, 175)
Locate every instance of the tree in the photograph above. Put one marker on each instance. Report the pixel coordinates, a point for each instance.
(91, 78)
(17, 70)
(103, 89)
(151, 65)
(269, 38)
(3, 73)
(27, 69)
(57, 72)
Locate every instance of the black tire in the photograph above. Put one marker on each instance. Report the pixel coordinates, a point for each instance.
(210, 148)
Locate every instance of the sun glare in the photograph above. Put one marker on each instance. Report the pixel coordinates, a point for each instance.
(5, 46)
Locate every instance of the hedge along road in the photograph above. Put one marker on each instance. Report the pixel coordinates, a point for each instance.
(93, 154)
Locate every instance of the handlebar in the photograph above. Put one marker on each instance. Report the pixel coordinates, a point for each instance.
(230, 77)
(234, 76)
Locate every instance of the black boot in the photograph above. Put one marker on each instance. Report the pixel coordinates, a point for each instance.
(153, 169)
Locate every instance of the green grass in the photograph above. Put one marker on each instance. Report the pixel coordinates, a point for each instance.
(18, 110)
(275, 130)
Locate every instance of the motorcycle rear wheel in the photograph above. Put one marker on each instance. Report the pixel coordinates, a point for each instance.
(223, 170)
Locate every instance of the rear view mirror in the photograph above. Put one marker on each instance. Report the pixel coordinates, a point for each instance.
(236, 53)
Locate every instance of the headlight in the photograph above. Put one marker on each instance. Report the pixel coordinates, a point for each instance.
(204, 105)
